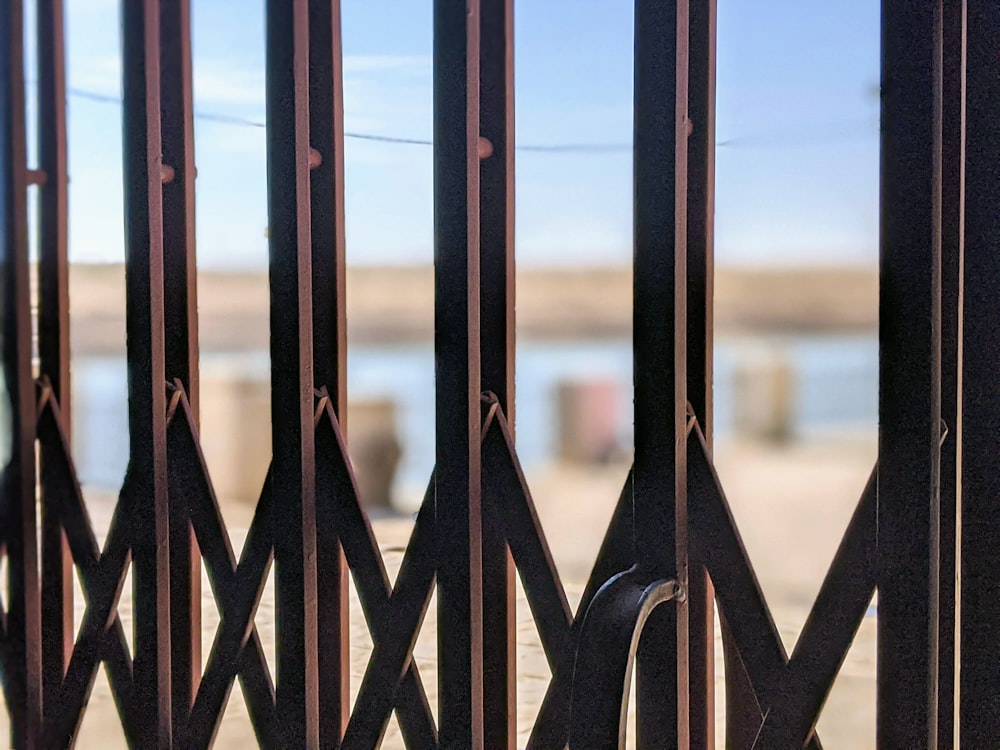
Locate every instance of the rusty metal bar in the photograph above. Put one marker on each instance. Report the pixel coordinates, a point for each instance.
(458, 524)
(64, 500)
(53, 332)
(292, 387)
(952, 248)
(980, 498)
(463, 539)
(701, 210)
(395, 638)
(551, 726)
(147, 474)
(496, 190)
(383, 605)
(660, 360)
(53, 277)
(180, 306)
(326, 122)
(742, 714)
(329, 315)
(737, 587)
(826, 637)
(909, 374)
(237, 647)
(543, 588)
(700, 285)
(22, 676)
(179, 257)
(496, 239)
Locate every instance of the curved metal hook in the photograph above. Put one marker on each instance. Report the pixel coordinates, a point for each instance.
(605, 654)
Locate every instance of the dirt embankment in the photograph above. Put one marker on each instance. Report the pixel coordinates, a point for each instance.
(396, 304)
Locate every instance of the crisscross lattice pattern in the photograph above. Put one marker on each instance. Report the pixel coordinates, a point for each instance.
(672, 551)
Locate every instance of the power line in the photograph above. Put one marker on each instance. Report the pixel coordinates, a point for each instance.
(832, 131)
(399, 140)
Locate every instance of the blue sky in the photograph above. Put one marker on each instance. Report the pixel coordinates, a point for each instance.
(797, 166)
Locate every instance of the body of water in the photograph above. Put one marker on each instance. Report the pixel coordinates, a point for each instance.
(835, 387)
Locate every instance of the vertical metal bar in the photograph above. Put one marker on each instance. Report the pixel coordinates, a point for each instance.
(147, 474)
(294, 464)
(326, 118)
(660, 359)
(326, 125)
(496, 176)
(23, 678)
(700, 287)
(179, 257)
(458, 493)
(952, 247)
(181, 335)
(53, 322)
(980, 498)
(496, 248)
(53, 331)
(909, 374)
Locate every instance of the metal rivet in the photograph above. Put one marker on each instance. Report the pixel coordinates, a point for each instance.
(485, 148)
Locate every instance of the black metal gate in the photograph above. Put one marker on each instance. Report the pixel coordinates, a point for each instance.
(672, 549)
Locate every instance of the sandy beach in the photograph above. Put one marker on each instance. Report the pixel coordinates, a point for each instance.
(791, 502)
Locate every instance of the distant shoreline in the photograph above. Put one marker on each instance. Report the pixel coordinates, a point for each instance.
(395, 304)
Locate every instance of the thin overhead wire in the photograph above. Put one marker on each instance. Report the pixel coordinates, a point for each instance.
(834, 131)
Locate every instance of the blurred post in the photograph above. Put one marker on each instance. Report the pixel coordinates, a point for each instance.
(588, 421)
(237, 440)
(236, 430)
(764, 395)
(375, 449)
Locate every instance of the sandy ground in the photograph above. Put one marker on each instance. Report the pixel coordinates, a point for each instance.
(791, 503)
(397, 304)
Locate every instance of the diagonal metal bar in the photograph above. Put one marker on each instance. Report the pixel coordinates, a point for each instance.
(64, 500)
(372, 581)
(237, 649)
(410, 598)
(834, 618)
(396, 635)
(737, 587)
(523, 532)
(91, 647)
(190, 476)
(830, 629)
(551, 728)
(507, 495)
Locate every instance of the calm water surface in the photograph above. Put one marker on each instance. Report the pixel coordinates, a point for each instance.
(836, 387)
